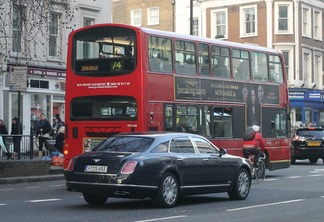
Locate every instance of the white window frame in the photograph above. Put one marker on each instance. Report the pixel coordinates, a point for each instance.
(317, 24)
(136, 17)
(318, 72)
(195, 26)
(306, 22)
(22, 32)
(90, 19)
(307, 74)
(291, 65)
(289, 17)
(55, 35)
(153, 16)
(243, 30)
(214, 22)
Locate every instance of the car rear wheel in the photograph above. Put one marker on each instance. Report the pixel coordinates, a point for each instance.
(95, 199)
(313, 160)
(168, 192)
(241, 186)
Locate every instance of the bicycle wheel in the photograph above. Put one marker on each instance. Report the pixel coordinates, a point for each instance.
(260, 172)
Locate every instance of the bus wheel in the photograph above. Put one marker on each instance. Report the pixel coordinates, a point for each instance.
(95, 199)
(168, 192)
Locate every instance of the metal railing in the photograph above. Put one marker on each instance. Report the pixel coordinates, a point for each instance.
(22, 147)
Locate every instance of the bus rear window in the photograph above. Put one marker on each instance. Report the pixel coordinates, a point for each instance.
(104, 108)
(104, 51)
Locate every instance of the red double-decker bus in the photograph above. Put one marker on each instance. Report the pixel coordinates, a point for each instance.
(122, 78)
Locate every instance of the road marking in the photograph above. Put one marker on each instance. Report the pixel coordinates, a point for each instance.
(43, 200)
(294, 177)
(162, 218)
(270, 179)
(58, 185)
(315, 175)
(5, 189)
(265, 205)
(3, 204)
(32, 187)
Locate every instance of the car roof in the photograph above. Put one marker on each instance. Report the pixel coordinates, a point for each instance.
(310, 128)
(157, 134)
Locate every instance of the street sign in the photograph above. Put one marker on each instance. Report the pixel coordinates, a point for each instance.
(18, 78)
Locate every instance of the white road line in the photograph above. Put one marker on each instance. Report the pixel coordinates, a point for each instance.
(32, 187)
(5, 189)
(273, 179)
(58, 185)
(3, 204)
(294, 177)
(265, 205)
(43, 200)
(162, 218)
(315, 175)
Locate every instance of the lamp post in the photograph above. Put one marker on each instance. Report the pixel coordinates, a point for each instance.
(191, 17)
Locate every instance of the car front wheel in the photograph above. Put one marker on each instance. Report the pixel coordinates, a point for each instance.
(95, 199)
(168, 192)
(242, 184)
(313, 160)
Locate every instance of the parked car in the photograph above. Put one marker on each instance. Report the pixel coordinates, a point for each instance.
(307, 143)
(157, 165)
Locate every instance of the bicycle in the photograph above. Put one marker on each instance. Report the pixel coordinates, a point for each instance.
(259, 172)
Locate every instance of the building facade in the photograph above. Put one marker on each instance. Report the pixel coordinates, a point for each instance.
(154, 14)
(33, 46)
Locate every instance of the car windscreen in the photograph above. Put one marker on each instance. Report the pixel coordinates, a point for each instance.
(125, 144)
(311, 133)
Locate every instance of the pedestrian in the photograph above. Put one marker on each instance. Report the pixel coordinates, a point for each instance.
(4, 131)
(16, 131)
(59, 140)
(251, 145)
(43, 130)
(57, 125)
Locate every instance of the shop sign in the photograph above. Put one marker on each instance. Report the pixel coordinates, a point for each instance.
(296, 95)
(18, 78)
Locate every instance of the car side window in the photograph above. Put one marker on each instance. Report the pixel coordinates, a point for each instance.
(181, 145)
(204, 147)
(161, 148)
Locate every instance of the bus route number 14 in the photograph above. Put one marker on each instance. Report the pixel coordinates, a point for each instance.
(117, 65)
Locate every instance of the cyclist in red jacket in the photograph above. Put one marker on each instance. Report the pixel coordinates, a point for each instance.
(251, 146)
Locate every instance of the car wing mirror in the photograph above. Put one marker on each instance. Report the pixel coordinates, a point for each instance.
(222, 152)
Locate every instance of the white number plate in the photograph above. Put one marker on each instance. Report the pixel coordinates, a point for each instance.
(96, 168)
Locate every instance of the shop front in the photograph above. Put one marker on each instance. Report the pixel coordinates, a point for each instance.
(307, 107)
(45, 93)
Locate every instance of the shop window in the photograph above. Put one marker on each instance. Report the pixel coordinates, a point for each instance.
(38, 84)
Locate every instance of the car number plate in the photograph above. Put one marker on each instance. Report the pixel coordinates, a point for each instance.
(313, 143)
(96, 168)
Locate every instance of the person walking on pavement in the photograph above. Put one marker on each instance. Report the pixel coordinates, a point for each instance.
(43, 129)
(4, 131)
(16, 131)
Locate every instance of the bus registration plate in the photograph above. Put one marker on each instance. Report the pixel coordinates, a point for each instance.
(96, 168)
(313, 144)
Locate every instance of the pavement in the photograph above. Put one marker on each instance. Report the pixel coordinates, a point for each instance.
(56, 173)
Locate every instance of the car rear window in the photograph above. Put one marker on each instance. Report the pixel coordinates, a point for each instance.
(317, 133)
(125, 144)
